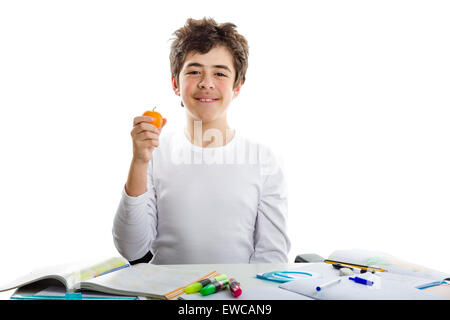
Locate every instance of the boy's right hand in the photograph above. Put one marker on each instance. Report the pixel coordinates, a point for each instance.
(145, 138)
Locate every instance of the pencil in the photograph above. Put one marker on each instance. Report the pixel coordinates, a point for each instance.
(356, 266)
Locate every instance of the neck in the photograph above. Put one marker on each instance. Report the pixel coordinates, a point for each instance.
(208, 134)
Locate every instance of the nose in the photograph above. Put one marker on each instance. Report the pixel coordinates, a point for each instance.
(206, 83)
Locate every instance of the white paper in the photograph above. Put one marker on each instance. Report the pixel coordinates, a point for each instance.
(383, 289)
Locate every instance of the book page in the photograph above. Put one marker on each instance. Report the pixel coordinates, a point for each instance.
(69, 274)
(143, 280)
(56, 272)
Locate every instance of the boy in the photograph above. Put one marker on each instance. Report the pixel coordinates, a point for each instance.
(205, 195)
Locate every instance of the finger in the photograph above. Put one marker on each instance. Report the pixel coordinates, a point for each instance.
(141, 119)
(146, 127)
(138, 130)
(147, 135)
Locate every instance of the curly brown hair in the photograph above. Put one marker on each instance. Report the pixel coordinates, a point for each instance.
(203, 35)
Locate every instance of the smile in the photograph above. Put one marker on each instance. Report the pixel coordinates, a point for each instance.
(206, 100)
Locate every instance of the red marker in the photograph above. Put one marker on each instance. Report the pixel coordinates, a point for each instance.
(235, 287)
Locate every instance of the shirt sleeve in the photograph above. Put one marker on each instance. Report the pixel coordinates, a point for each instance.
(271, 242)
(135, 222)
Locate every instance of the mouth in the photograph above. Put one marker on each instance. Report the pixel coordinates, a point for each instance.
(206, 100)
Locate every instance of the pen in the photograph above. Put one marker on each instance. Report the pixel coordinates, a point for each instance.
(328, 284)
(355, 265)
(197, 286)
(214, 286)
(235, 287)
(362, 281)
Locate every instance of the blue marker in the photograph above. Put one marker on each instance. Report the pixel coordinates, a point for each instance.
(362, 281)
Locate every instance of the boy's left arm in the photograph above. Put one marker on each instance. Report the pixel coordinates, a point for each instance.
(271, 241)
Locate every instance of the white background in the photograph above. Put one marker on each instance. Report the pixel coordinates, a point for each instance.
(353, 96)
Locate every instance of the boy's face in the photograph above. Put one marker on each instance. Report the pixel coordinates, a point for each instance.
(206, 84)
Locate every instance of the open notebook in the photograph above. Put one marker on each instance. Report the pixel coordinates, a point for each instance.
(115, 277)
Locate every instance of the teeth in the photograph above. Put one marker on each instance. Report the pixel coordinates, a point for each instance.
(206, 100)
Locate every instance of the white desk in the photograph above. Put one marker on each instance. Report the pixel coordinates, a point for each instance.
(246, 275)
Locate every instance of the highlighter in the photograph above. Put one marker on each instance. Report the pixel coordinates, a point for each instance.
(197, 286)
(214, 286)
(235, 287)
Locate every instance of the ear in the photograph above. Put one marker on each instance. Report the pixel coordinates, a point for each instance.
(175, 86)
(237, 90)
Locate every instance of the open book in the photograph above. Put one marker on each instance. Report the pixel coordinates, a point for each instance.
(115, 277)
(401, 280)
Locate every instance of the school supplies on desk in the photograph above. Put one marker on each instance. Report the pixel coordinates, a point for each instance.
(116, 277)
(370, 275)
(215, 284)
(259, 293)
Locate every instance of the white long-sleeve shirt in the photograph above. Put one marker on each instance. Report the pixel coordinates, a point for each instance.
(206, 205)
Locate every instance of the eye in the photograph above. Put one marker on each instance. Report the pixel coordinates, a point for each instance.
(193, 72)
(220, 74)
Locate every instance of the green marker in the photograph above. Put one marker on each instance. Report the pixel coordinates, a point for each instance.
(214, 287)
(197, 286)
